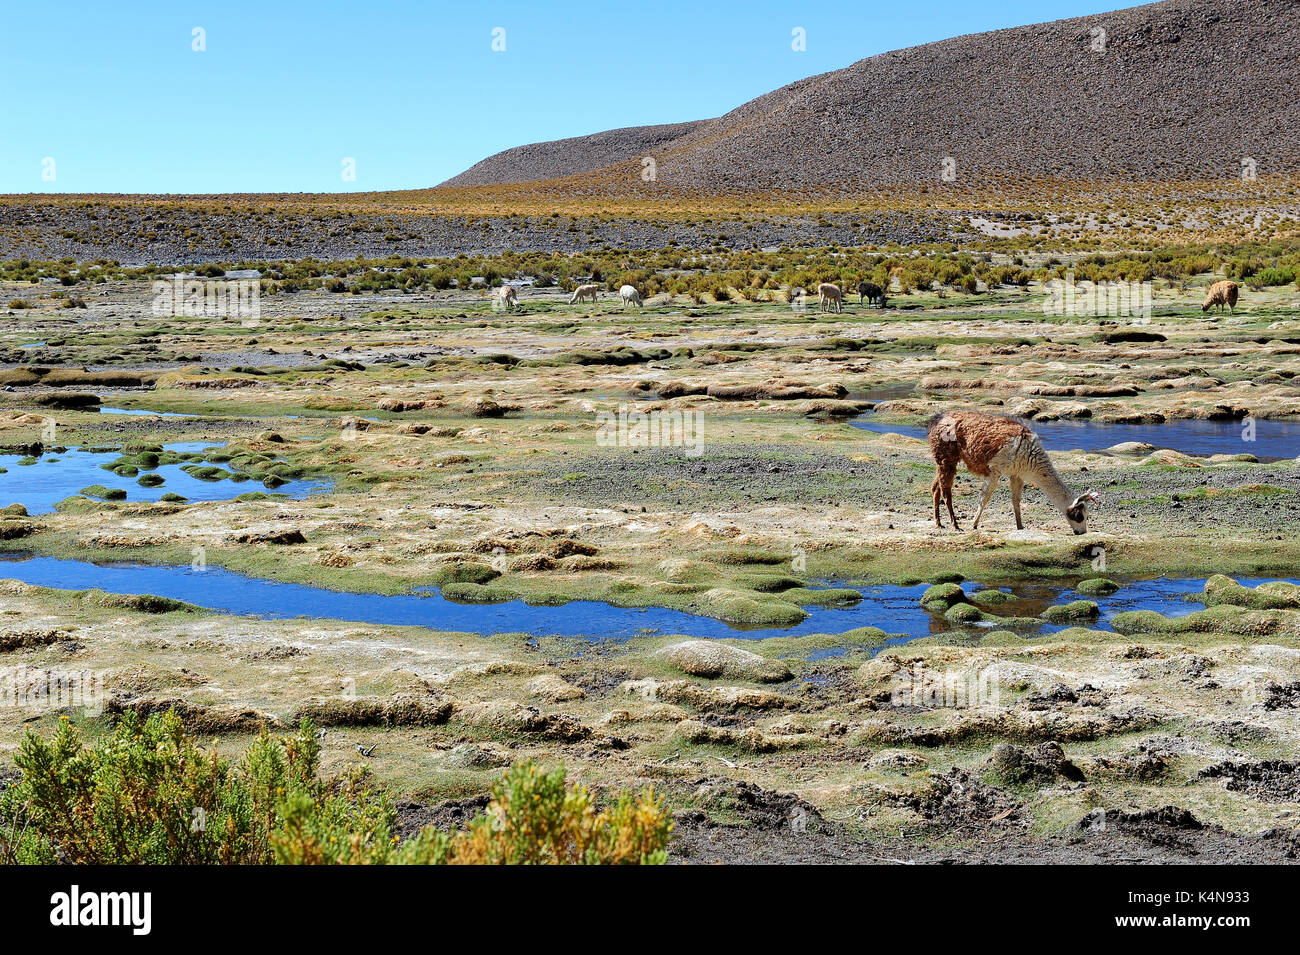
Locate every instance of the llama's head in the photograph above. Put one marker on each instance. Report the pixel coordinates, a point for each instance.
(1077, 512)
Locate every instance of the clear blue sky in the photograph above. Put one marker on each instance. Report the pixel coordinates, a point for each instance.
(410, 89)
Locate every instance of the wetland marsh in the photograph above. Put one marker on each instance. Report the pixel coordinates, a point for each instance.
(363, 500)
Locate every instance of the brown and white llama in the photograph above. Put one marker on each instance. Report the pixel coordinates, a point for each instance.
(992, 446)
(509, 297)
(1221, 294)
(830, 295)
(585, 291)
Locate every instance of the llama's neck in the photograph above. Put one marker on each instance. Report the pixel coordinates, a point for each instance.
(1049, 482)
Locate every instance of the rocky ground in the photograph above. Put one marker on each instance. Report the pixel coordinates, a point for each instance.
(484, 472)
(148, 231)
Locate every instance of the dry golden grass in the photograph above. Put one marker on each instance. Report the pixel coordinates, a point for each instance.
(608, 194)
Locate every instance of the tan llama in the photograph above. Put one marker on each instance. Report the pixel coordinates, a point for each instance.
(585, 291)
(992, 446)
(1221, 294)
(830, 295)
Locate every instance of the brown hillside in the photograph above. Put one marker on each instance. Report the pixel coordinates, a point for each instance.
(1183, 90)
(565, 157)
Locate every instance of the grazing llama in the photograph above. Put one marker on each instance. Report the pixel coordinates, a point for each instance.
(871, 292)
(630, 296)
(830, 295)
(509, 296)
(585, 291)
(991, 446)
(1221, 294)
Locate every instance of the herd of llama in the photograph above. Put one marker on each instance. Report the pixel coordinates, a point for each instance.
(990, 446)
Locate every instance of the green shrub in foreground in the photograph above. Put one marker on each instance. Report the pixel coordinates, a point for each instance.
(146, 793)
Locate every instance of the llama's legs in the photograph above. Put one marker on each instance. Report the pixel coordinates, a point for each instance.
(941, 491)
(1017, 485)
(947, 496)
(988, 493)
(946, 459)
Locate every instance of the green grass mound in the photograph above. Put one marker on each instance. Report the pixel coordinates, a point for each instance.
(77, 504)
(963, 613)
(746, 608)
(1075, 610)
(204, 472)
(941, 597)
(822, 597)
(464, 572)
(1225, 619)
(1270, 595)
(143, 603)
(478, 593)
(104, 493)
(1097, 587)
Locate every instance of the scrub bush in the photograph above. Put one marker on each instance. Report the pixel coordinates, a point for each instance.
(147, 793)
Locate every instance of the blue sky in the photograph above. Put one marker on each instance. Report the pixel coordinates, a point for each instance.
(116, 96)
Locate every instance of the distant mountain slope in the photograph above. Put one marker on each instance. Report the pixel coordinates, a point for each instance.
(565, 157)
(1179, 90)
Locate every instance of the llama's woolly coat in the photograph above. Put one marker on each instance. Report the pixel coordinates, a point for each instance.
(830, 295)
(584, 291)
(871, 292)
(973, 439)
(1220, 294)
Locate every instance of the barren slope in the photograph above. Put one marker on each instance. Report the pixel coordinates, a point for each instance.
(1179, 90)
(565, 157)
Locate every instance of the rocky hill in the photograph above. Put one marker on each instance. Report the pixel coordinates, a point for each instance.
(565, 157)
(1180, 90)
